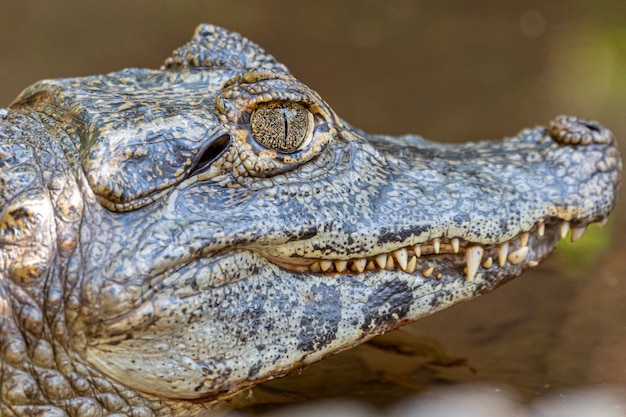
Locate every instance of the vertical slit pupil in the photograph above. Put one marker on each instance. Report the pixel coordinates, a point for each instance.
(286, 124)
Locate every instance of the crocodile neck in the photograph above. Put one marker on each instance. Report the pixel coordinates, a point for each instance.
(40, 370)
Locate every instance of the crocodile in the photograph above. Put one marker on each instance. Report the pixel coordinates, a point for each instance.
(171, 237)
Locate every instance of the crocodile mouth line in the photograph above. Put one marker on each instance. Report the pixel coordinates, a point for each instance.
(514, 252)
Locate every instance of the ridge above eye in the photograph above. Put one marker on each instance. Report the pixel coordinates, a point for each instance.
(283, 126)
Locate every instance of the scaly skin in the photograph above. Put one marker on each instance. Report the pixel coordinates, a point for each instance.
(162, 245)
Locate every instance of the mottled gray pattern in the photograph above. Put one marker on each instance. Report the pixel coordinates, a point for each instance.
(155, 256)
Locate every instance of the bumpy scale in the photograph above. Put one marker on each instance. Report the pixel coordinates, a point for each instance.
(169, 237)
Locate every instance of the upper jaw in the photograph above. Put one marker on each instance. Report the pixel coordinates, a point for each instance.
(488, 204)
(385, 197)
(444, 259)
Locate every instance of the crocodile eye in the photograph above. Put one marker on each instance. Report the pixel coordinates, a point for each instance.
(284, 126)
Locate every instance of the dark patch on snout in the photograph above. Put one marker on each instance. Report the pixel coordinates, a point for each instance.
(321, 318)
(389, 303)
(393, 236)
(254, 369)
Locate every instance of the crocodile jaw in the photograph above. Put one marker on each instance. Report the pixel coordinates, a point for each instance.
(291, 319)
(440, 258)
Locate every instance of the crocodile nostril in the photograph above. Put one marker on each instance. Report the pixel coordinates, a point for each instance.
(574, 131)
(594, 127)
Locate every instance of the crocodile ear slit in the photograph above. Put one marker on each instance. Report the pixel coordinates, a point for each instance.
(216, 148)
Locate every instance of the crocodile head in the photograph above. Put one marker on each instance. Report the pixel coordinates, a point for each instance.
(220, 225)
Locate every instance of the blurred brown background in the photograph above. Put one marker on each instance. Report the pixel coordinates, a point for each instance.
(449, 70)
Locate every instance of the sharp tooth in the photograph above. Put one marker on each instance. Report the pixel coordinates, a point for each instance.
(473, 256)
(428, 272)
(381, 260)
(402, 257)
(523, 239)
(437, 245)
(532, 263)
(488, 263)
(563, 229)
(410, 267)
(518, 256)
(390, 266)
(341, 266)
(315, 267)
(417, 249)
(603, 222)
(371, 266)
(360, 265)
(577, 233)
(455, 245)
(541, 228)
(438, 275)
(503, 251)
(326, 265)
